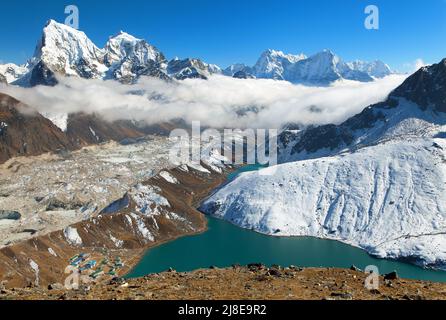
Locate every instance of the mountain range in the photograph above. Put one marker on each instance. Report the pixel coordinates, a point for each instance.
(321, 68)
(65, 51)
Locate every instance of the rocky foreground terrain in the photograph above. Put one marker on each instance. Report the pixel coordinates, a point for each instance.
(252, 282)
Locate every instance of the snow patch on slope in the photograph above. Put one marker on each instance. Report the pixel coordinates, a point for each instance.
(168, 177)
(52, 252)
(72, 236)
(142, 228)
(35, 267)
(60, 120)
(148, 200)
(118, 243)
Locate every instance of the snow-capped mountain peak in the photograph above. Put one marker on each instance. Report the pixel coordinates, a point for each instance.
(69, 51)
(120, 45)
(122, 35)
(129, 57)
(237, 67)
(321, 68)
(123, 45)
(326, 54)
(293, 58)
(325, 59)
(273, 63)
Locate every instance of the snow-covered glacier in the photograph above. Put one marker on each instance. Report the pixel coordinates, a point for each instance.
(377, 181)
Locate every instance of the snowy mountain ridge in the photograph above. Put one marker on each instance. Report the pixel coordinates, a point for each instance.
(322, 68)
(128, 58)
(64, 50)
(69, 52)
(191, 69)
(377, 68)
(272, 64)
(11, 72)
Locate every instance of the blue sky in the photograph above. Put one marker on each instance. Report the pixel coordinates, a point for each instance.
(229, 31)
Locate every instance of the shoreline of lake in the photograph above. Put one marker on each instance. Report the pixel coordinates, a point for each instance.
(407, 268)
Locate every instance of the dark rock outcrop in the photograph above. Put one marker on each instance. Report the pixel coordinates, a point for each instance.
(391, 276)
(41, 75)
(9, 215)
(243, 75)
(332, 136)
(426, 87)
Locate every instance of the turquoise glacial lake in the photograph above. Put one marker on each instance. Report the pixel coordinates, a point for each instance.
(224, 244)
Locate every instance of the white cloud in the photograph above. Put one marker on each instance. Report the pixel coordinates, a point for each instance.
(415, 65)
(217, 102)
(419, 63)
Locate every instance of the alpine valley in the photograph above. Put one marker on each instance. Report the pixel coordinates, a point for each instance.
(81, 189)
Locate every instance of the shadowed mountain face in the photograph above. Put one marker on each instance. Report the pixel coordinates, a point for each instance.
(427, 87)
(84, 129)
(332, 136)
(24, 132)
(40, 75)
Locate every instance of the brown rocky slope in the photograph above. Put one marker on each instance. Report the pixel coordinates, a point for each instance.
(24, 132)
(254, 282)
